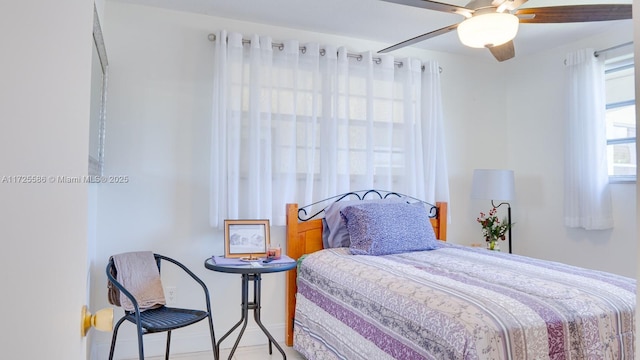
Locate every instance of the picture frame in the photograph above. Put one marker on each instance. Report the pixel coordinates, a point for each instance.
(246, 238)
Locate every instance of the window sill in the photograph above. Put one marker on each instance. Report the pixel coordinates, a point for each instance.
(622, 180)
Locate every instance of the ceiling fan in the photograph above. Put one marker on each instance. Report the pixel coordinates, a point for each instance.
(493, 24)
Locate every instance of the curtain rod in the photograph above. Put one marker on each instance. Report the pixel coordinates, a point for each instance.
(303, 49)
(599, 52)
(603, 51)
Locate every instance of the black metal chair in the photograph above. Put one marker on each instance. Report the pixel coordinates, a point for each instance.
(162, 319)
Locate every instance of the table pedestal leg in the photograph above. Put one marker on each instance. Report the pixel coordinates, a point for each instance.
(246, 305)
(243, 319)
(256, 316)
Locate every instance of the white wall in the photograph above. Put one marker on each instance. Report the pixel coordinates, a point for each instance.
(535, 113)
(533, 146)
(44, 126)
(158, 135)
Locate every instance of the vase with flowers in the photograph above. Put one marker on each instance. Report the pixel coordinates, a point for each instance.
(493, 229)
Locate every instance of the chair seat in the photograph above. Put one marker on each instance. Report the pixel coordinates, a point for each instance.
(166, 318)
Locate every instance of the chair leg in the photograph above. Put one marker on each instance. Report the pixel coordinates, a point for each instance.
(166, 354)
(140, 343)
(216, 354)
(113, 338)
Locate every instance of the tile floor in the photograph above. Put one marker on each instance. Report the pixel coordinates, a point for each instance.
(242, 353)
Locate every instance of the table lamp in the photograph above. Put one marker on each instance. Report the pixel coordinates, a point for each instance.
(495, 184)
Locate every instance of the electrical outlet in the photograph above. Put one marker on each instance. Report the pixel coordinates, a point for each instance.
(171, 295)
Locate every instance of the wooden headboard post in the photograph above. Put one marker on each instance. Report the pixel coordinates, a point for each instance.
(440, 222)
(306, 237)
(302, 238)
(294, 252)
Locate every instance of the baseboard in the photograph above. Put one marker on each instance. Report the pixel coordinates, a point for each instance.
(183, 342)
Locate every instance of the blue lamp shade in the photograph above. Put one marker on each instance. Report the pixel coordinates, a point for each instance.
(493, 184)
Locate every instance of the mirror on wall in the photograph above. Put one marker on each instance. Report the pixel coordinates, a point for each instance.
(99, 68)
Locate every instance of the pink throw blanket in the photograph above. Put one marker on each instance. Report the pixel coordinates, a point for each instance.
(138, 273)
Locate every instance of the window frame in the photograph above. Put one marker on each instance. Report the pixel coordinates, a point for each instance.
(615, 66)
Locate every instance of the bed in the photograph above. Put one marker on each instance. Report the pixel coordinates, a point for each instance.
(447, 302)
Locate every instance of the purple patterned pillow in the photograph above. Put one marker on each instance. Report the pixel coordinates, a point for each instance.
(381, 229)
(334, 232)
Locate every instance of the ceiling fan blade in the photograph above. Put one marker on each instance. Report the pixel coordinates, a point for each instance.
(503, 52)
(420, 38)
(576, 13)
(508, 5)
(434, 5)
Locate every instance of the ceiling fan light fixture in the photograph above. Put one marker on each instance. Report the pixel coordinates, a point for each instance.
(488, 30)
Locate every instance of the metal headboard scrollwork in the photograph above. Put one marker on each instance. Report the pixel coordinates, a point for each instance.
(303, 214)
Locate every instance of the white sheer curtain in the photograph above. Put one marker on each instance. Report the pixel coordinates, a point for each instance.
(587, 195)
(300, 124)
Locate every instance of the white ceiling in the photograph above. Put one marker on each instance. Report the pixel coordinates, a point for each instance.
(386, 22)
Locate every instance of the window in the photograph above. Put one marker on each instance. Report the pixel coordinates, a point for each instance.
(370, 117)
(299, 123)
(621, 119)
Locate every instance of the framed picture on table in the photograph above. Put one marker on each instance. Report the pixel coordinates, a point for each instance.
(247, 239)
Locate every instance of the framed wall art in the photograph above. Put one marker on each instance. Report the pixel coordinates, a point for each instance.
(246, 238)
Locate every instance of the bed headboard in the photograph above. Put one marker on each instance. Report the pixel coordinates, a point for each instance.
(305, 237)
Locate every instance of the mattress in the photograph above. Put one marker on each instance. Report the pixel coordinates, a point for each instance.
(459, 303)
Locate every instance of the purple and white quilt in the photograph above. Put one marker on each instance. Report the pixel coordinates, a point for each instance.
(459, 303)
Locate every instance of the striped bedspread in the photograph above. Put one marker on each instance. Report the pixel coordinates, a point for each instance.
(459, 303)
